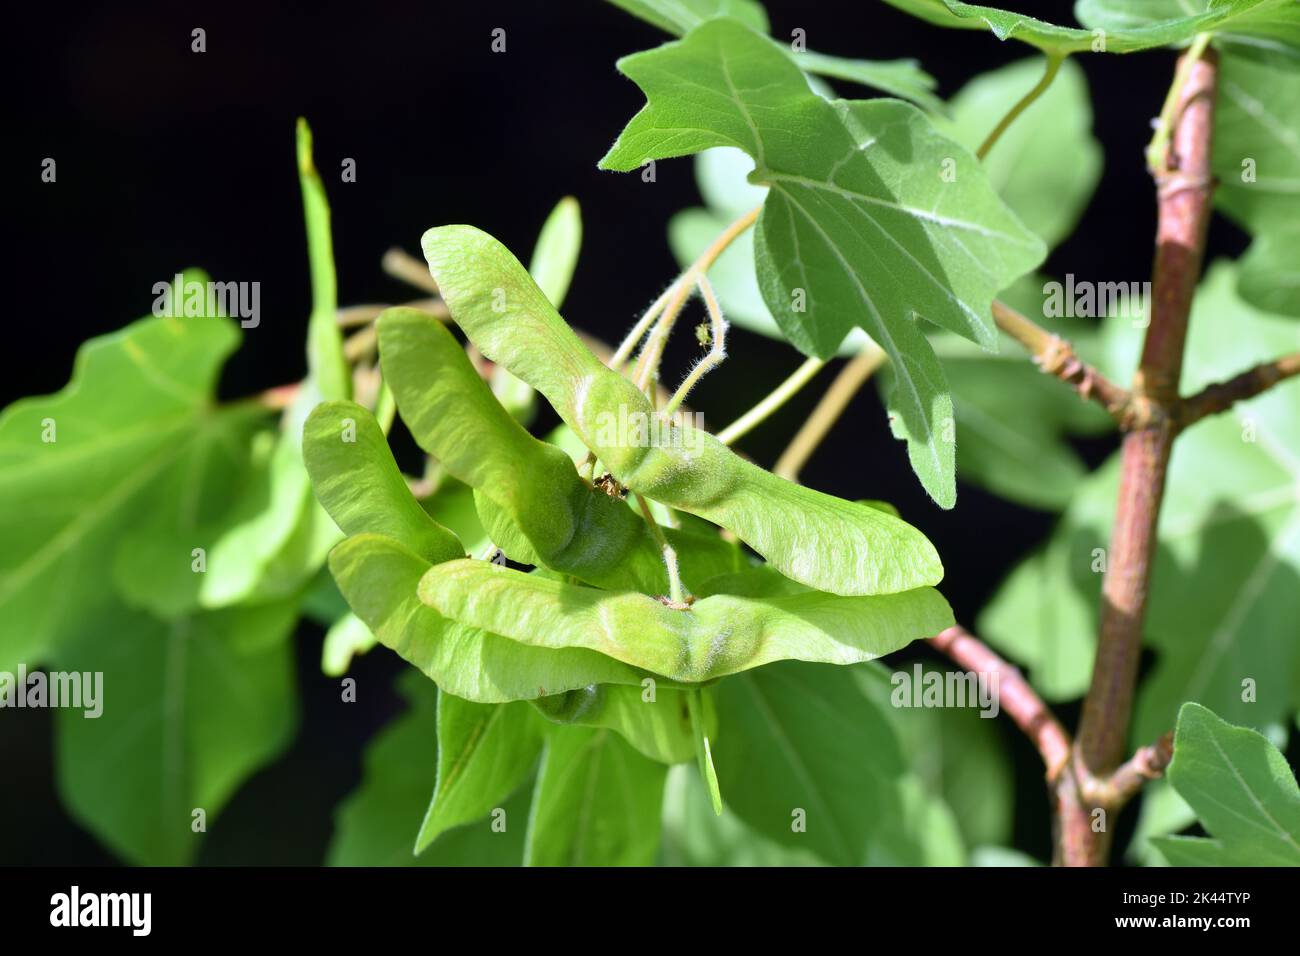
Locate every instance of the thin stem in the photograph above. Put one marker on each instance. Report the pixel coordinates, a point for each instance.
(675, 592)
(1184, 211)
(354, 315)
(841, 391)
(1014, 695)
(648, 362)
(717, 351)
(1158, 149)
(774, 400)
(638, 331)
(1054, 61)
(1056, 356)
(361, 343)
(726, 238)
(412, 271)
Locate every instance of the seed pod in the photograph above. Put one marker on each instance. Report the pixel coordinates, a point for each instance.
(816, 539)
(529, 485)
(715, 636)
(357, 481)
(379, 578)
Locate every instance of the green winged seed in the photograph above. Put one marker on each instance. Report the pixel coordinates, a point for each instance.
(357, 481)
(379, 577)
(327, 367)
(818, 540)
(716, 636)
(347, 638)
(453, 415)
(555, 257)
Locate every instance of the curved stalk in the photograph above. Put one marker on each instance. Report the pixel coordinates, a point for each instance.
(648, 362)
(717, 353)
(1054, 62)
(638, 332)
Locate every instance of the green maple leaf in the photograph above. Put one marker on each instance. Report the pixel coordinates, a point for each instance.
(1257, 162)
(192, 706)
(872, 217)
(902, 78)
(1268, 29)
(597, 802)
(76, 469)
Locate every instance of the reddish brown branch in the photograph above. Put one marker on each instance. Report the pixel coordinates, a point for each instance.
(1184, 210)
(1015, 696)
(1106, 709)
(1056, 356)
(1221, 396)
(1184, 193)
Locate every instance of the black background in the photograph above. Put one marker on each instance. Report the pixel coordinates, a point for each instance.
(168, 158)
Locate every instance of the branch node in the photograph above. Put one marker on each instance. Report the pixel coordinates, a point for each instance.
(1055, 356)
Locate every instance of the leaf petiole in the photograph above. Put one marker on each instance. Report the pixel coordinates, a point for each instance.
(1054, 61)
(774, 400)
